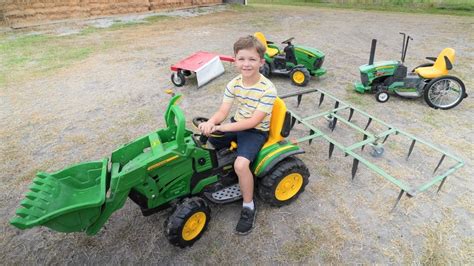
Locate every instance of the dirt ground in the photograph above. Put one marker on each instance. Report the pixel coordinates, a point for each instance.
(86, 110)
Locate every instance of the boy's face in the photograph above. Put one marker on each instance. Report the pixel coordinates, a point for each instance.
(248, 62)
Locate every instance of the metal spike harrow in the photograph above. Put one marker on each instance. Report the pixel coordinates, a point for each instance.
(368, 138)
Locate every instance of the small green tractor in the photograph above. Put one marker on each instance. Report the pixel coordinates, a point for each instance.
(296, 61)
(169, 168)
(429, 80)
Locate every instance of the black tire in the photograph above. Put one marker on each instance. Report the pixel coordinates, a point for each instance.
(178, 79)
(382, 96)
(265, 70)
(422, 65)
(438, 89)
(193, 210)
(268, 185)
(300, 76)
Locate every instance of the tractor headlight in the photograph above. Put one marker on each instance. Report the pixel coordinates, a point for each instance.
(364, 78)
(318, 62)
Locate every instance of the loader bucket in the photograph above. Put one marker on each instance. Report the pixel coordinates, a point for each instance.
(69, 200)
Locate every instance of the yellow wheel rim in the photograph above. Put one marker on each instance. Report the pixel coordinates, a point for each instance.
(289, 186)
(194, 225)
(298, 77)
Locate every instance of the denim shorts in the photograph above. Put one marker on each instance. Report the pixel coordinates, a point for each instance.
(249, 142)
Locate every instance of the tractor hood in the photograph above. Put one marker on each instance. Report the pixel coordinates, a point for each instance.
(309, 51)
(378, 66)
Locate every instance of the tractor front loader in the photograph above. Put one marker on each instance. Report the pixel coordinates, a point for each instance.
(171, 167)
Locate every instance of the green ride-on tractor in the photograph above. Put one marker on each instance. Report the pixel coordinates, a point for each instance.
(429, 80)
(169, 168)
(296, 61)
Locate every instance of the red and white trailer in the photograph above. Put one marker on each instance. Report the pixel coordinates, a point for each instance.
(205, 65)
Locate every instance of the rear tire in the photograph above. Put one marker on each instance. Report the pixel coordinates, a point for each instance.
(188, 222)
(284, 183)
(300, 76)
(444, 92)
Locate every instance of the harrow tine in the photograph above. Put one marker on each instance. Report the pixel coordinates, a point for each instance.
(351, 113)
(321, 99)
(440, 161)
(363, 146)
(311, 132)
(333, 126)
(411, 148)
(398, 199)
(336, 105)
(300, 96)
(368, 123)
(331, 149)
(386, 137)
(355, 165)
(441, 185)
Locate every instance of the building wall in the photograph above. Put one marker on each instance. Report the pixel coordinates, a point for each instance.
(30, 12)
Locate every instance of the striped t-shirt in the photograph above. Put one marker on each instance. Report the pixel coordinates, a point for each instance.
(259, 96)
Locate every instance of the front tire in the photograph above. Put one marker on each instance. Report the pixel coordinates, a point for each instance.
(178, 79)
(300, 76)
(284, 183)
(188, 222)
(265, 70)
(382, 96)
(444, 92)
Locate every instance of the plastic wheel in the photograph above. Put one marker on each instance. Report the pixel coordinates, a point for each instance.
(285, 182)
(300, 76)
(178, 79)
(382, 96)
(444, 92)
(188, 222)
(377, 151)
(265, 70)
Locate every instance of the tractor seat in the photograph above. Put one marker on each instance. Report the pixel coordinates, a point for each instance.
(279, 123)
(269, 50)
(440, 67)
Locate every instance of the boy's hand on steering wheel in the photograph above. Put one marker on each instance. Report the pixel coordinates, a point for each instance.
(207, 128)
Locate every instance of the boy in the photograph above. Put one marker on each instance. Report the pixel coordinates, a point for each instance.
(254, 95)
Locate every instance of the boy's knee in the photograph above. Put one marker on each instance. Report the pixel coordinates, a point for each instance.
(241, 164)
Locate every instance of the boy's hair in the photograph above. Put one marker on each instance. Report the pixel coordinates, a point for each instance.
(249, 42)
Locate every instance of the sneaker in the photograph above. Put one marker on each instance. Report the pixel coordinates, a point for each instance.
(246, 221)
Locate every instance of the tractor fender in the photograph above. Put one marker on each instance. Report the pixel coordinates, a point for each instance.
(278, 159)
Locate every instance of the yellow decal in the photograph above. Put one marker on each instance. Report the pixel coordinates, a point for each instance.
(306, 52)
(262, 162)
(383, 67)
(158, 164)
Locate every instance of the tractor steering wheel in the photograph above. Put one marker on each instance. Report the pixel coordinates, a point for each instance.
(288, 41)
(198, 120)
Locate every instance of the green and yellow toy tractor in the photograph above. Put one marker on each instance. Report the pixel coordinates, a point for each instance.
(428, 80)
(169, 168)
(296, 61)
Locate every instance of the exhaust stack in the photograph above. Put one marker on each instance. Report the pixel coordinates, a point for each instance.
(372, 51)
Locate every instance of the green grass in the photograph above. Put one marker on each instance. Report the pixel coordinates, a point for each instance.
(28, 56)
(156, 18)
(449, 7)
(31, 55)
